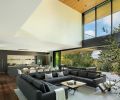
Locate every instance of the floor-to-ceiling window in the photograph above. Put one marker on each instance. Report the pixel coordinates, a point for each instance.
(103, 19)
(89, 25)
(77, 57)
(116, 16)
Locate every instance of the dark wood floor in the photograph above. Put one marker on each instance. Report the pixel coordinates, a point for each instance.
(7, 86)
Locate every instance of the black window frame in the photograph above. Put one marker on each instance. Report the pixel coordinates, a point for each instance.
(95, 8)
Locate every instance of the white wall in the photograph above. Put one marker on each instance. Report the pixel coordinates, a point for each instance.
(55, 22)
(13, 13)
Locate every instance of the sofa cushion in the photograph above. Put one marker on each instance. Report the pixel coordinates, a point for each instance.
(48, 76)
(93, 75)
(39, 85)
(46, 87)
(82, 79)
(54, 74)
(74, 73)
(60, 74)
(82, 74)
(51, 86)
(27, 78)
(58, 80)
(66, 72)
(40, 75)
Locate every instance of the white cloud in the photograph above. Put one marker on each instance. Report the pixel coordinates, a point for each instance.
(116, 19)
(90, 33)
(107, 20)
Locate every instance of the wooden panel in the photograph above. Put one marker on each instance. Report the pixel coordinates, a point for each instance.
(82, 5)
(89, 17)
(116, 6)
(104, 11)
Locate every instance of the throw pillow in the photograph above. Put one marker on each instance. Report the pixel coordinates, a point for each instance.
(74, 73)
(102, 87)
(39, 85)
(82, 74)
(66, 72)
(93, 75)
(40, 76)
(48, 76)
(27, 78)
(54, 74)
(47, 87)
(60, 74)
(19, 71)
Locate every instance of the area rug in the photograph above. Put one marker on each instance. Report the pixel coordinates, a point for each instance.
(83, 93)
(20, 94)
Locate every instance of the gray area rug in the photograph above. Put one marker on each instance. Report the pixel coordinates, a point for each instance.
(20, 94)
(83, 93)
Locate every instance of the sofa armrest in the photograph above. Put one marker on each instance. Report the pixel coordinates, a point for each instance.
(101, 79)
(29, 91)
(49, 96)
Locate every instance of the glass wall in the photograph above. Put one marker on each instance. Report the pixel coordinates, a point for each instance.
(89, 25)
(77, 57)
(103, 20)
(116, 16)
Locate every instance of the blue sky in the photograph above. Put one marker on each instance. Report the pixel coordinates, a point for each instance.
(103, 26)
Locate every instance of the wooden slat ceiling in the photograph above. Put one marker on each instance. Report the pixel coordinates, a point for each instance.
(82, 5)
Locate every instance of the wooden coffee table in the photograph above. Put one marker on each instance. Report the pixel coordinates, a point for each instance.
(73, 86)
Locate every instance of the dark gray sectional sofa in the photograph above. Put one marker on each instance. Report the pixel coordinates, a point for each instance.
(90, 77)
(32, 88)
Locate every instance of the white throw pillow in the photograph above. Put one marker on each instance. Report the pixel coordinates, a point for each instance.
(19, 71)
(48, 76)
(102, 87)
(60, 74)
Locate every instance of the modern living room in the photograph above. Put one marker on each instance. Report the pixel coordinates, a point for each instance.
(60, 50)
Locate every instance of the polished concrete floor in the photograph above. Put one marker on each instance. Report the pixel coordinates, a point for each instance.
(8, 91)
(83, 93)
(87, 93)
